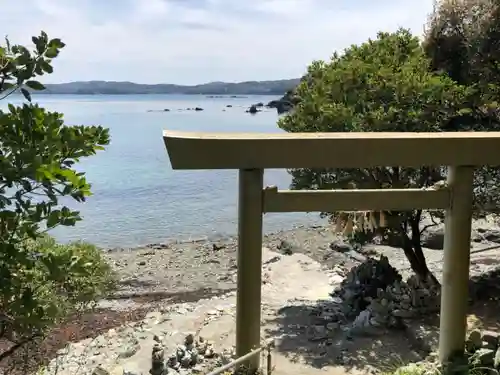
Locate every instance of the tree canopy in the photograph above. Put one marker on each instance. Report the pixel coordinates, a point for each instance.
(385, 84)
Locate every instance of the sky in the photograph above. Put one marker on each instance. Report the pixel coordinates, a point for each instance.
(198, 41)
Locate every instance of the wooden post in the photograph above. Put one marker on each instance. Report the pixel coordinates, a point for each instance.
(248, 302)
(455, 285)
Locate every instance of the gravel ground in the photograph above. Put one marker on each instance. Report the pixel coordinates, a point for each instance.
(167, 270)
(190, 271)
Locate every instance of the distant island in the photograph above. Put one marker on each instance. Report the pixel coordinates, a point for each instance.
(278, 87)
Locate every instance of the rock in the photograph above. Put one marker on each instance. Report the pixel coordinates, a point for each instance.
(405, 314)
(362, 320)
(433, 238)
(198, 369)
(340, 246)
(99, 370)
(285, 247)
(142, 263)
(217, 247)
(492, 235)
(189, 340)
(491, 339)
(158, 361)
(172, 360)
(496, 362)
(282, 105)
(336, 279)
(186, 361)
(486, 356)
(474, 340)
(128, 350)
(209, 352)
(333, 326)
(166, 110)
(253, 109)
(260, 104)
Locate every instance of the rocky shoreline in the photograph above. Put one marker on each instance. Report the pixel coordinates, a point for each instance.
(189, 270)
(371, 287)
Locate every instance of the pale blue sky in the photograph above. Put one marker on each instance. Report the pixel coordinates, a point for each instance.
(197, 41)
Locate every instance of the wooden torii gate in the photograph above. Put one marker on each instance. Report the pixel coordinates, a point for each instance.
(252, 153)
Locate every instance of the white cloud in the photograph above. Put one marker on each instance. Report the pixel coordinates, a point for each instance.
(192, 41)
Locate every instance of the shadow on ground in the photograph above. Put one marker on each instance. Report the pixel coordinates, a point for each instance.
(298, 339)
(485, 307)
(483, 313)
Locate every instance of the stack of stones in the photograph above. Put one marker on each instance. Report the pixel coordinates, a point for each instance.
(191, 357)
(374, 294)
(362, 283)
(191, 353)
(484, 349)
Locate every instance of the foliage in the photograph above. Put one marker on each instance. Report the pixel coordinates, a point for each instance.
(468, 364)
(61, 280)
(384, 84)
(39, 279)
(462, 39)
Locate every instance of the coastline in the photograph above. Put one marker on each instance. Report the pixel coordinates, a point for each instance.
(182, 273)
(188, 270)
(183, 270)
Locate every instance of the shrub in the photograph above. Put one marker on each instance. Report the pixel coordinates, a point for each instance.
(40, 281)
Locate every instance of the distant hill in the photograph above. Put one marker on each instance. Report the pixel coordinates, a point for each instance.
(278, 87)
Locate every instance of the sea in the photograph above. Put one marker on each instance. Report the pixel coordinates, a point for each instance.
(137, 197)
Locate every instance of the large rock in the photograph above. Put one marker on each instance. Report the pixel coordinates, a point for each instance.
(433, 237)
(281, 105)
(341, 246)
(253, 109)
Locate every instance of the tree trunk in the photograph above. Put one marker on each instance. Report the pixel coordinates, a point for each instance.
(413, 252)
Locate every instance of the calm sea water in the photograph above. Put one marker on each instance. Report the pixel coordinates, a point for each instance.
(138, 198)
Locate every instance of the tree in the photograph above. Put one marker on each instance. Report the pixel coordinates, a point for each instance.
(41, 282)
(384, 84)
(462, 40)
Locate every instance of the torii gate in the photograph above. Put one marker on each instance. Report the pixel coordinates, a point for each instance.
(252, 153)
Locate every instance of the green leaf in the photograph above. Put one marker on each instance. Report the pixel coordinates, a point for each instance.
(35, 85)
(47, 68)
(56, 43)
(53, 218)
(7, 86)
(26, 94)
(51, 52)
